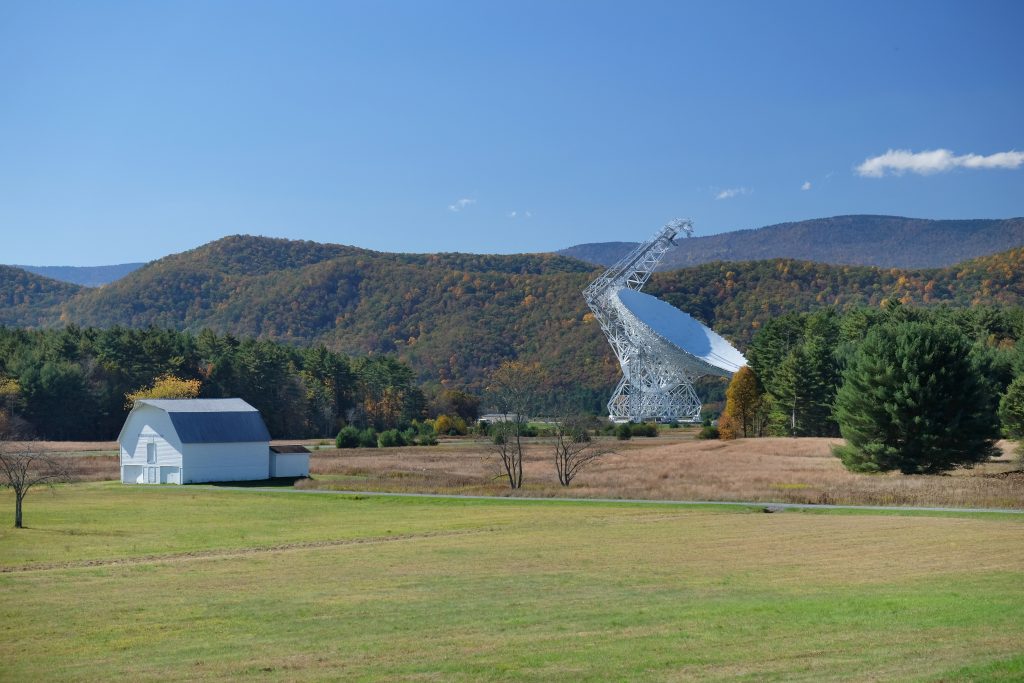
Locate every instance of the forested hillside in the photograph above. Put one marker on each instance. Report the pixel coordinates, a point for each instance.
(30, 300)
(454, 317)
(883, 241)
(739, 297)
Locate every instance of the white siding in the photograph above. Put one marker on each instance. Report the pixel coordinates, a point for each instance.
(147, 425)
(289, 464)
(225, 462)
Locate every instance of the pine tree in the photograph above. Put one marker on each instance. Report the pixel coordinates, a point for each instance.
(805, 388)
(1011, 409)
(912, 400)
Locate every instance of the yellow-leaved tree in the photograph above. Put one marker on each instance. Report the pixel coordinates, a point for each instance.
(743, 415)
(165, 386)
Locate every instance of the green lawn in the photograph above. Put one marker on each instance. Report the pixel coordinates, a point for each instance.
(183, 582)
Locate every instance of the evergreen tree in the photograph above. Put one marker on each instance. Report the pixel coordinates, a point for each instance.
(773, 343)
(912, 400)
(1011, 410)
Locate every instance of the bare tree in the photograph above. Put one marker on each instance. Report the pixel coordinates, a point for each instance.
(509, 450)
(24, 465)
(575, 448)
(513, 388)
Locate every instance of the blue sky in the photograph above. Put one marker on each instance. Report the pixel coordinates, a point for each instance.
(130, 130)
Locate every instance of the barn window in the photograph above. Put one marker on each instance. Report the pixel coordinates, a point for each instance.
(151, 453)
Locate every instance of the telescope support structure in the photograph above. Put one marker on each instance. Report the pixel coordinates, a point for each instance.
(652, 386)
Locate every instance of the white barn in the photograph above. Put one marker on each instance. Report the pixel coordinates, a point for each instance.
(189, 441)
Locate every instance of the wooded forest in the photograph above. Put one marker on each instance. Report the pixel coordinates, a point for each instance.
(800, 360)
(71, 383)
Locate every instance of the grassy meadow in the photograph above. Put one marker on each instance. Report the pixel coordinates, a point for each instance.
(151, 583)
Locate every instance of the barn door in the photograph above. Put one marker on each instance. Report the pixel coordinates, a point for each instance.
(152, 475)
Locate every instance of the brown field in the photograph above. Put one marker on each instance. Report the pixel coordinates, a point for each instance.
(673, 466)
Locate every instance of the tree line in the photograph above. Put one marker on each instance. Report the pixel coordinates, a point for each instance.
(76, 383)
(915, 389)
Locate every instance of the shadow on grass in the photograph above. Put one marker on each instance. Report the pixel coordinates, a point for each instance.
(276, 482)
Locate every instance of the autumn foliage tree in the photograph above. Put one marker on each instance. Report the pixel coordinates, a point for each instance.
(743, 416)
(165, 386)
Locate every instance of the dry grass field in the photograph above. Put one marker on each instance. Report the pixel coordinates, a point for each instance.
(673, 466)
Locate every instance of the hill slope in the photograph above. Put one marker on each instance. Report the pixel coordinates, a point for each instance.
(883, 241)
(455, 317)
(30, 300)
(87, 276)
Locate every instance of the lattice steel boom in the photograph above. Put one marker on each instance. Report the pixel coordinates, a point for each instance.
(657, 378)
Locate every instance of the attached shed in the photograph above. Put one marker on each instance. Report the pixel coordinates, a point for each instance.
(188, 441)
(289, 461)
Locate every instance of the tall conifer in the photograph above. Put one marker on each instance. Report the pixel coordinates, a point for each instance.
(913, 400)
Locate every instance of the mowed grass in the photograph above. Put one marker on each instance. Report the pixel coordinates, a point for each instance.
(155, 583)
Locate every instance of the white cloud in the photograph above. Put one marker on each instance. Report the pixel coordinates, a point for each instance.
(520, 214)
(461, 204)
(806, 186)
(900, 161)
(731, 192)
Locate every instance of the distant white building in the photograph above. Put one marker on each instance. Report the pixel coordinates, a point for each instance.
(189, 441)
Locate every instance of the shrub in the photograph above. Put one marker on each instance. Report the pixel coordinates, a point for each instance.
(708, 432)
(425, 434)
(348, 437)
(644, 429)
(623, 432)
(390, 438)
(387, 438)
(451, 425)
(368, 438)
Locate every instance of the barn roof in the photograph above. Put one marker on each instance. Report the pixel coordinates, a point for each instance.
(289, 448)
(212, 420)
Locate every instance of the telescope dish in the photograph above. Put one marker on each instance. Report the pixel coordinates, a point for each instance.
(661, 350)
(706, 351)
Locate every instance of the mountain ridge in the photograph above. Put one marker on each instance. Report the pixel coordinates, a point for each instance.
(866, 240)
(896, 241)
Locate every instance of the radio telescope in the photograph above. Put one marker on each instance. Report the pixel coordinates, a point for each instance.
(661, 349)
